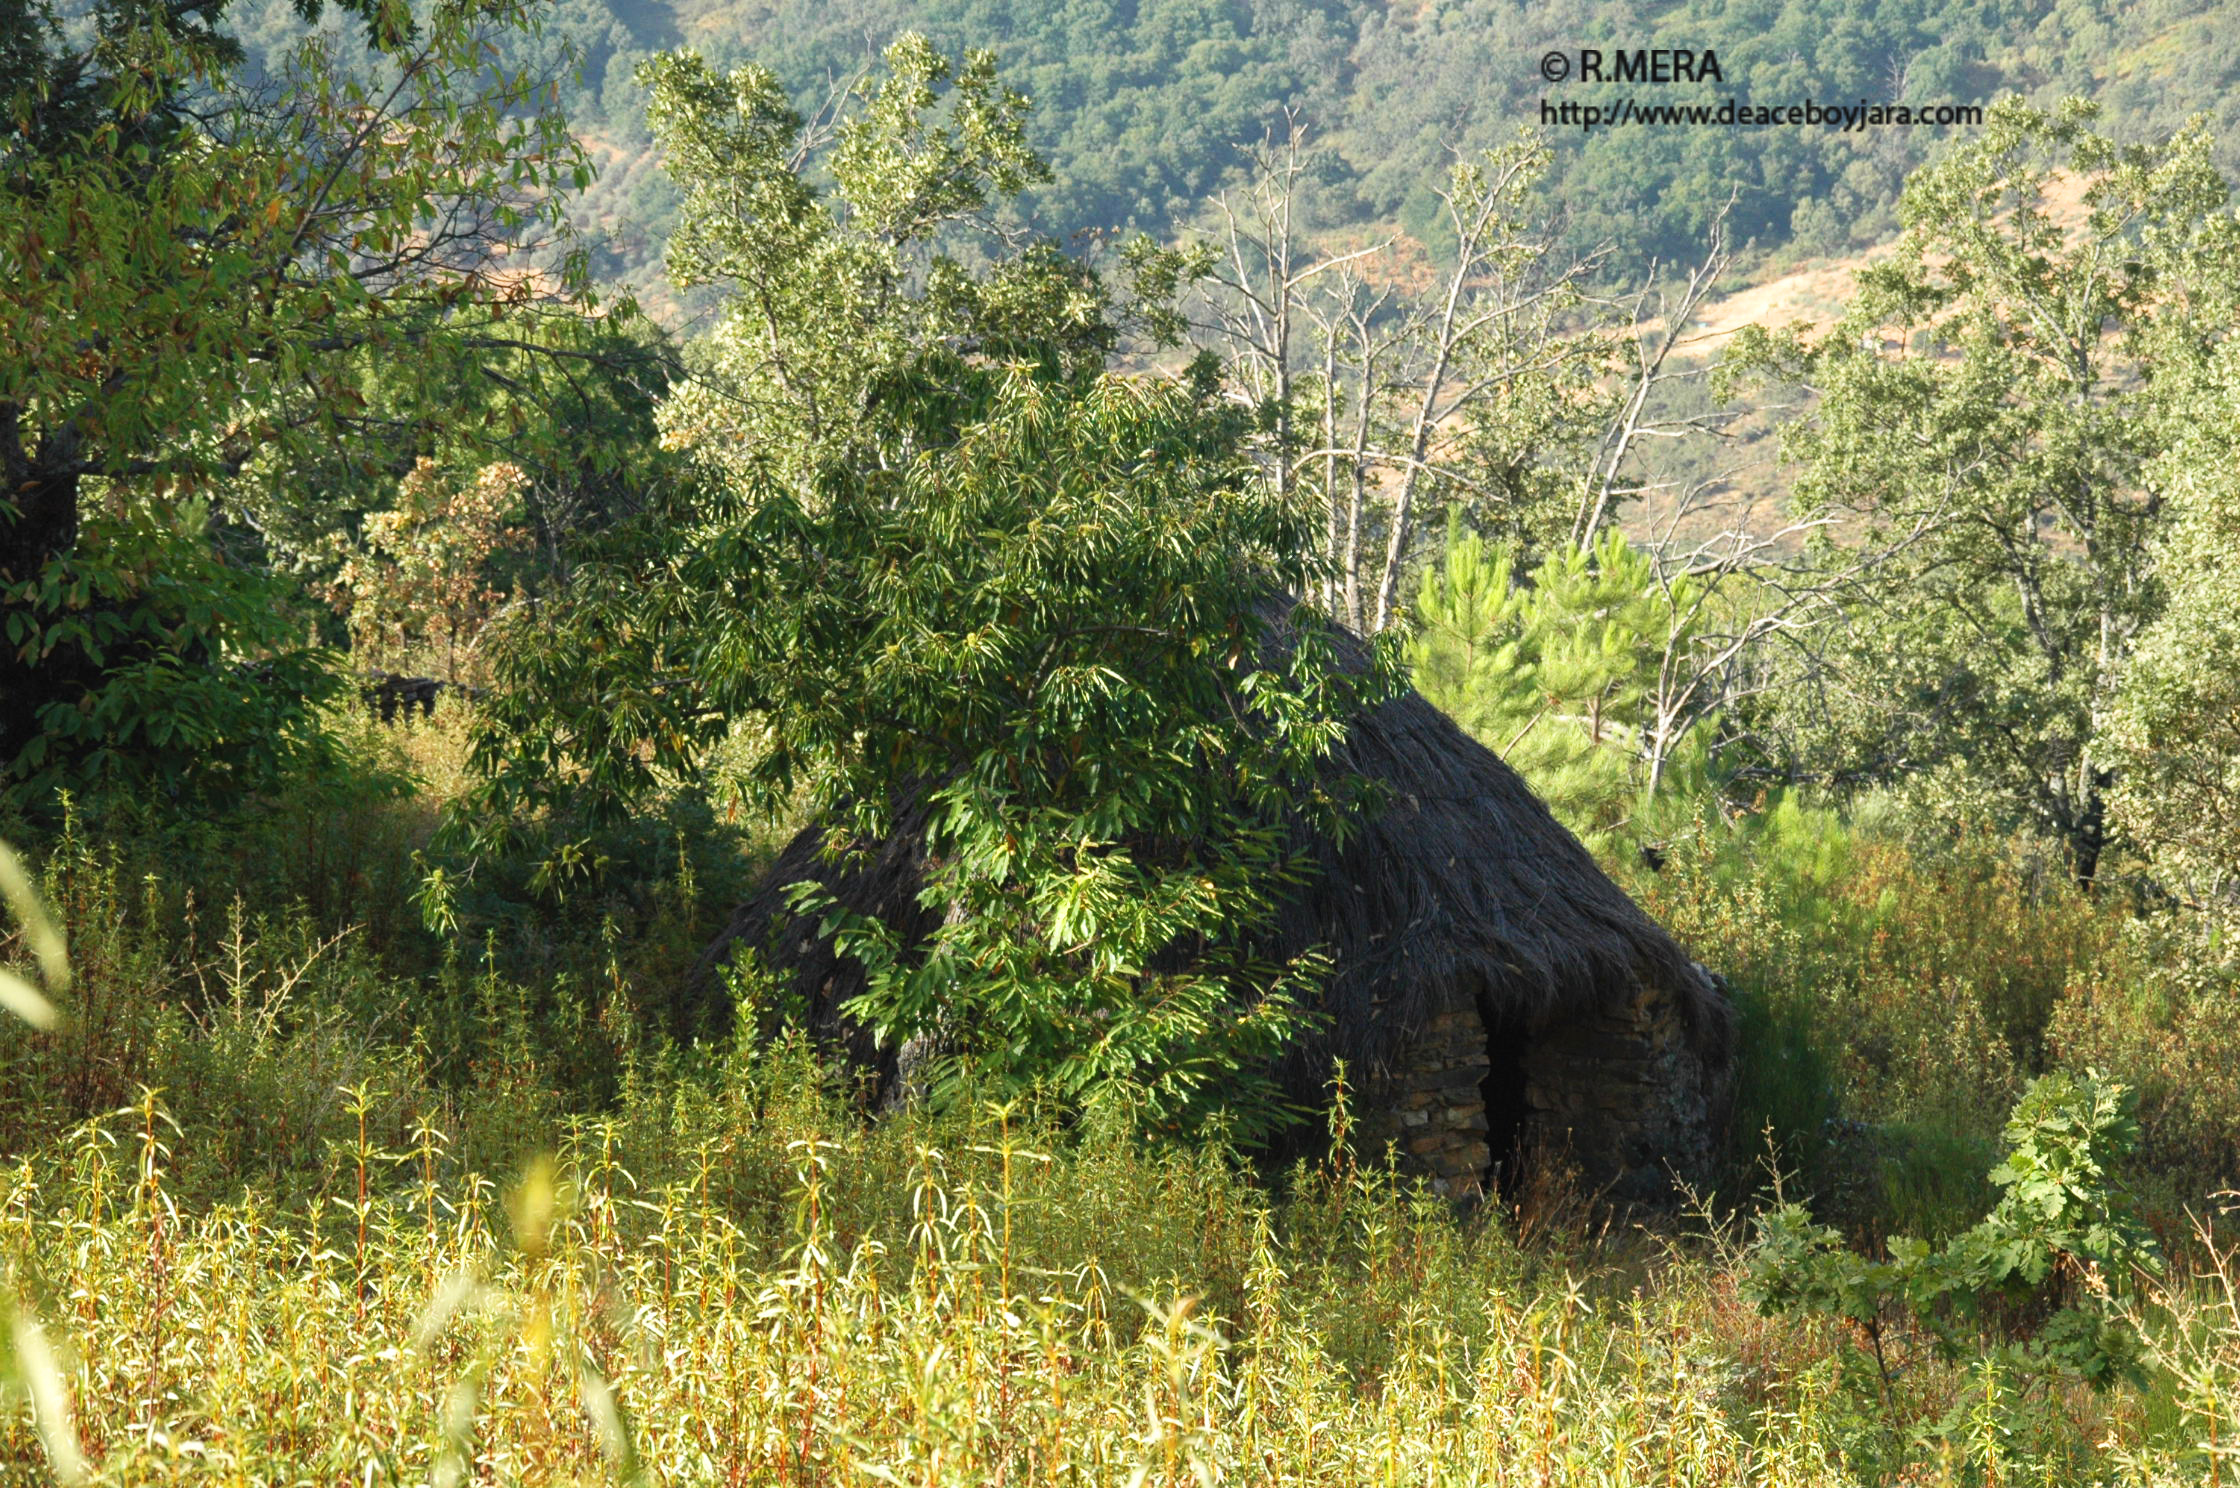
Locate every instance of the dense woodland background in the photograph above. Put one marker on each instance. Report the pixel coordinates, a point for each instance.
(1145, 110)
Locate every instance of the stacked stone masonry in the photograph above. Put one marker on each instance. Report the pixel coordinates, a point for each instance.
(1616, 1092)
(1428, 1104)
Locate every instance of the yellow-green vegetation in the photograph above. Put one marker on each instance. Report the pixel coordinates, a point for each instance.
(783, 1295)
(296, 1251)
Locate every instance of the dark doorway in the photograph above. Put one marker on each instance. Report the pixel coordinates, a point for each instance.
(1507, 1110)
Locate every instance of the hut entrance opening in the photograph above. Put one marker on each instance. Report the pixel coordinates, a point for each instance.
(1508, 1112)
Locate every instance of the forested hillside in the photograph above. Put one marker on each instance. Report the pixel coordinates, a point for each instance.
(1141, 108)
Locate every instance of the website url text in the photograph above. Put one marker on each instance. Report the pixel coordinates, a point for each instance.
(1735, 114)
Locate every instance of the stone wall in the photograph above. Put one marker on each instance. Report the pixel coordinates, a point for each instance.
(1622, 1092)
(1428, 1102)
(1618, 1091)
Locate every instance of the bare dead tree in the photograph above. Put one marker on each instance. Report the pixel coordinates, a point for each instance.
(1663, 323)
(1731, 596)
(1260, 272)
(1358, 337)
(1378, 398)
(1399, 377)
(1499, 276)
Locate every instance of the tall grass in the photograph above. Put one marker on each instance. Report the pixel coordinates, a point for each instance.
(1897, 994)
(303, 1191)
(731, 1280)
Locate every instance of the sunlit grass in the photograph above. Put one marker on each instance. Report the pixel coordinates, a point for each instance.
(800, 1299)
(314, 1253)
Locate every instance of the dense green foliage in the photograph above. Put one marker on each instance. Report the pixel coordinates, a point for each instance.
(2000, 455)
(2060, 1237)
(1121, 753)
(2173, 732)
(844, 319)
(1051, 629)
(208, 267)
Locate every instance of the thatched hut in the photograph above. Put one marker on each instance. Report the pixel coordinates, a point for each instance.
(1499, 1000)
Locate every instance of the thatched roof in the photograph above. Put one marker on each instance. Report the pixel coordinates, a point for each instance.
(1463, 877)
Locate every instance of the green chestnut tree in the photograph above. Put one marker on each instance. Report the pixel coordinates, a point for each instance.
(932, 548)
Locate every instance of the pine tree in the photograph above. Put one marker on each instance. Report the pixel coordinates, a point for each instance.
(1469, 634)
(1558, 675)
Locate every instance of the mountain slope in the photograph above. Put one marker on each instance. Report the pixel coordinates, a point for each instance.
(1142, 105)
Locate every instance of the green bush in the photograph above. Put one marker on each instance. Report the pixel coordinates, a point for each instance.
(168, 671)
(2038, 1269)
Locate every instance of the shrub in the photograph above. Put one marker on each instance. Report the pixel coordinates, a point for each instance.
(2060, 1240)
(424, 579)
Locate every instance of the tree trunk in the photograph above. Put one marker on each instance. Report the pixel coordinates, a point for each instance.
(2088, 836)
(43, 488)
(44, 492)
